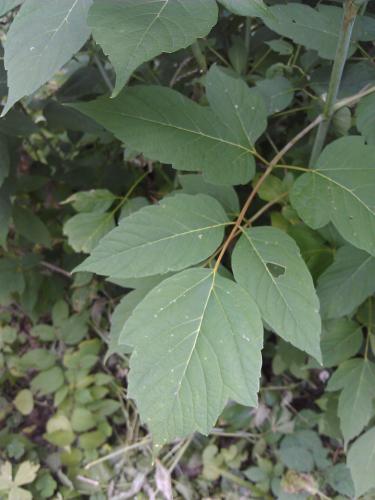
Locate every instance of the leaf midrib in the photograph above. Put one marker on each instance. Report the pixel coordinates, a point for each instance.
(182, 129)
(173, 236)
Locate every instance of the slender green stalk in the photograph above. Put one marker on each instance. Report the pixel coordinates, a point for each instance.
(103, 73)
(350, 12)
(199, 56)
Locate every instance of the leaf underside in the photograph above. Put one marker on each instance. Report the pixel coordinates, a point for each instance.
(268, 264)
(168, 127)
(182, 370)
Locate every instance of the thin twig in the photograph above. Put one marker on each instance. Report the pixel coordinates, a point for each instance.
(119, 452)
(180, 454)
(180, 67)
(264, 209)
(103, 73)
(56, 269)
(274, 163)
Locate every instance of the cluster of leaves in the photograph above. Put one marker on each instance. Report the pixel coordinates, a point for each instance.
(244, 253)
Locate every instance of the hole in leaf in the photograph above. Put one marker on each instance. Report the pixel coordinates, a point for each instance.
(275, 269)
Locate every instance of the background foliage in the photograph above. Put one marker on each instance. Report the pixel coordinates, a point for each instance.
(170, 147)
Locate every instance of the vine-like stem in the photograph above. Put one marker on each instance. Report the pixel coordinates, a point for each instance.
(275, 163)
(264, 209)
(262, 178)
(343, 44)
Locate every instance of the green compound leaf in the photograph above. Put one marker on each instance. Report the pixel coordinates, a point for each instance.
(347, 282)
(181, 231)
(361, 462)
(268, 264)
(341, 190)
(355, 379)
(41, 39)
(316, 29)
(168, 127)
(197, 341)
(134, 31)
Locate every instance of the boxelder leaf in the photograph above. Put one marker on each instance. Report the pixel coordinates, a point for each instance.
(41, 39)
(361, 462)
(341, 339)
(94, 200)
(268, 264)
(168, 127)
(316, 29)
(134, 31)
(197, 341)
(181, 231)
(355, 378)
(241, 108)
(347, 282)
(341, 190)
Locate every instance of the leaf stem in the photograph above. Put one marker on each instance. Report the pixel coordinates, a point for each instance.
(119, 452)
(199, 56)
(241, 482)
(343, 44)
(264, 209)
(103, 73)
(180, 454)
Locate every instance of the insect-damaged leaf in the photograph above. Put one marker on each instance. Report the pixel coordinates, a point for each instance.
(168, 127)
(268, 264)
(181, 231)
(186, 334)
